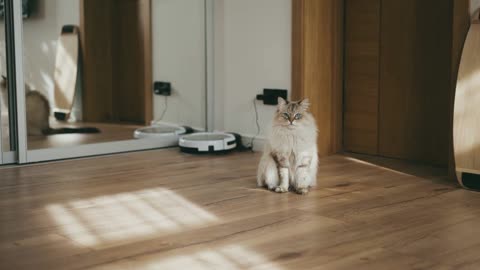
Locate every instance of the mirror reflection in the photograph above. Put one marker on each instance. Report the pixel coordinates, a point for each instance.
(97, 71)
(4, 106)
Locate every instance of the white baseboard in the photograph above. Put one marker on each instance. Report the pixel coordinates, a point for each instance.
(258, 143)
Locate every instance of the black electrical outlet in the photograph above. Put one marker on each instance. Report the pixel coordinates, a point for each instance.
(162, 88)
(60, 116)
(270, 96)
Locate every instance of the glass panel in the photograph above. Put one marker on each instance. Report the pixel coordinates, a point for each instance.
(89, 76)
(179, 58)
(4, 121)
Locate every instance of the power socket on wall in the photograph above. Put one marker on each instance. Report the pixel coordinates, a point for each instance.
(270, 96)
(162, 88)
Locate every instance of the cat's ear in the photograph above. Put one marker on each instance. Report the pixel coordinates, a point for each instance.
(304, 103)
(281, 102)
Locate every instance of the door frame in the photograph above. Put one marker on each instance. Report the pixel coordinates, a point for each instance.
(16, 86)
(317, 66)
(209, 65)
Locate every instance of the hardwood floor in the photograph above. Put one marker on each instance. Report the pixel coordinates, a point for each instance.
(166, 210)
(109, 132)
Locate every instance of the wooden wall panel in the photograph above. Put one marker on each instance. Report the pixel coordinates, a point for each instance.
(317, 41)
(298, 49)
(415, 74)
(362, 56)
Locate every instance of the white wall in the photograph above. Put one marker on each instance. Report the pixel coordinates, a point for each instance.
(41, 32)
(179, 57)
(474, 5)
(253, 51)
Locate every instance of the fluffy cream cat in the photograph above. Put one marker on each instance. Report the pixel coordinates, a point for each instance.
(290, 158)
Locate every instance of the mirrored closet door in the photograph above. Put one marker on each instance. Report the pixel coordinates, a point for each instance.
(106, 76)
(7, 106)
(179, 61)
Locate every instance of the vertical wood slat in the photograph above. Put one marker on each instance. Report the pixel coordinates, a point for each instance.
(415, 80)
(298, 31)
(145, 16)
(362, 57)
(317, 69)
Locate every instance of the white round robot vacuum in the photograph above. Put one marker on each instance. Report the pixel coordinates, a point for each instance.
(207, 142)
(158, 132)
(167, 134)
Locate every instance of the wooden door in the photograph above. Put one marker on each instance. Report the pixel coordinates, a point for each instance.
(362, 73)
(317, 69)
(415, 80)
(116, 53)
(399, 68)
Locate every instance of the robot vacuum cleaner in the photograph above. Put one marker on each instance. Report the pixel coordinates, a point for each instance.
(166, 133)
(207, 142)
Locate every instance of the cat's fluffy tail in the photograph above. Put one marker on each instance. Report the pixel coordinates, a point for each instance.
(267, 174)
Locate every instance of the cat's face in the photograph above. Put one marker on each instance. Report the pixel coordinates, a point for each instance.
(291, 114)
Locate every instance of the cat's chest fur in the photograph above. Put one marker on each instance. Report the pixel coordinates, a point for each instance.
(292, 141)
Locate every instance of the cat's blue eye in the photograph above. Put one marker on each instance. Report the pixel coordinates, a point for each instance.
(298, 116)
(286, 115)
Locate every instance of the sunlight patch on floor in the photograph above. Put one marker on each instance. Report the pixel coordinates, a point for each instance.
(127, 216)
(232, 257)
(358, 161)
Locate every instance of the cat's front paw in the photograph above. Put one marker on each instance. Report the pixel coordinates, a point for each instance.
(281, 189)
(302, 191)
